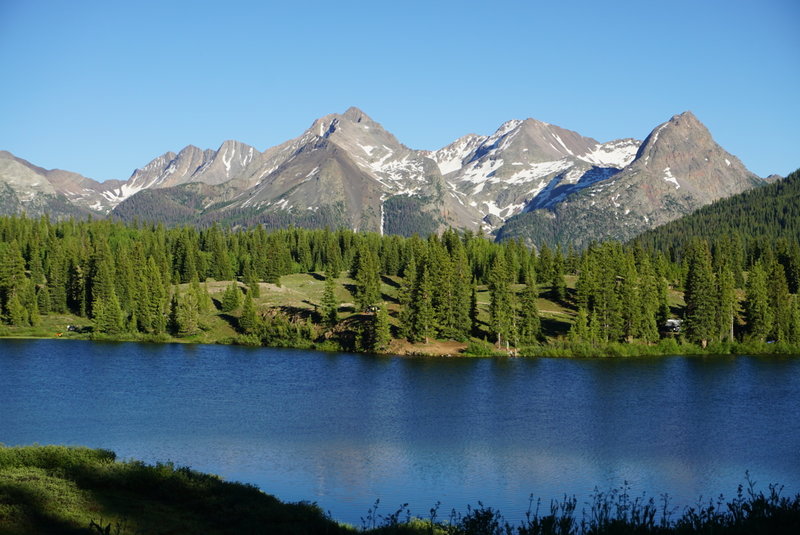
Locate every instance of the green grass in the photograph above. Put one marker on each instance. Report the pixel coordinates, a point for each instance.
(55, 489)
(300, 294)
(61, 490)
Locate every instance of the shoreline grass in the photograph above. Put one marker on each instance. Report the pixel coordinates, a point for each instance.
(76, 490)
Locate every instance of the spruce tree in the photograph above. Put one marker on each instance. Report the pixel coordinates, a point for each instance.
(780, 302)
(501, 312)
(231, 297)
(579, 332)
(187, 317)
(28, 300)
(558, 286)
(404, 298)
(382, 333)
(758, 310)
(726, 309)
(15, 313)
(462, 325)
(43, 299)
(422, 320)
(367, 278)
(649, 301)
(630, 298)
(329, 307)
(473, 309)
(248, 320)
(701, 301)
(794, 323)
(529, 322)
(250, 278)
(107, 313)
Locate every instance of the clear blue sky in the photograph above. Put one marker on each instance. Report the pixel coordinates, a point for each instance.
(101, 88)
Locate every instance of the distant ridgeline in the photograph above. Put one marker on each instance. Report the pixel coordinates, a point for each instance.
(730, 273)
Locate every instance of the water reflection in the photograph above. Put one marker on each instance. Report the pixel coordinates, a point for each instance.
(346, 429)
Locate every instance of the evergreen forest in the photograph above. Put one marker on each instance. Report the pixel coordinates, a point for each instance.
(725, 279)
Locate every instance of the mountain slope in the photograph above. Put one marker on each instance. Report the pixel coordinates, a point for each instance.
(529, 179)
(345, 170)
(764, 215)
(26, 188)
(526, 164)
(677, 169)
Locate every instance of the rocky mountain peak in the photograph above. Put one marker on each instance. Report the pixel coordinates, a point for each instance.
(356, 115)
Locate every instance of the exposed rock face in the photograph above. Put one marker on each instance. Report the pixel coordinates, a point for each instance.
(347, 163)
(26, 188)
(526, 164)
(529, 179)
(677, 169)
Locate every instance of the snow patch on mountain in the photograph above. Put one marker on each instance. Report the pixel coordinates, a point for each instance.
(618, 153)
(669, 178)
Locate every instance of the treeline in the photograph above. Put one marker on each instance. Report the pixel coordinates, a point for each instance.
(153, 281)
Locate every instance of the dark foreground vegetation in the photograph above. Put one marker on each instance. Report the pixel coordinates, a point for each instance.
(55, 489)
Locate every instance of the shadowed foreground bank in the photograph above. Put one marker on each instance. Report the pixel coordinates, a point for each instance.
(56, 489)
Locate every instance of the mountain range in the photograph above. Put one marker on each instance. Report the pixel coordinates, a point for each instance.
(529, 179)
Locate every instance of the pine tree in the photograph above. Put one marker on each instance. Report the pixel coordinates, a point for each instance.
(12, 273)
(57, 281)
(461, 291)
(780, 302)
(422, 320)
(501, 312)
(43, 299)
(330, 304)
(473, 309)
(794, 324)
(250, 279)
(404, 298)
(106, 309)
(231, 297)
(758, 311)
(701, 301)
(649, 301)
(220, 264)
(367, 278)
(249, 317)
(579, 332)
(629, 295)
(544, 264)
(383, 335)
(529, 322)
(558, 286)
(107, 313)
(16, 314)
(187, 320)
(29, 302)
(443, 300)
(726, 309)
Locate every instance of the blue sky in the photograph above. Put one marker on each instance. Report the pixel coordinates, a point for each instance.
(101, 88)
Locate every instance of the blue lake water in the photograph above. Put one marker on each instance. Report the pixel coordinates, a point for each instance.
(344, 430)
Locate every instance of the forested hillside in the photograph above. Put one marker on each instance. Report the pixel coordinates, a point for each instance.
(368, 292)
(749, 224)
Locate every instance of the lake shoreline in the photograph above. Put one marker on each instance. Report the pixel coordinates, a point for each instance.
(475, 349)
(93, 489)
(344, 428)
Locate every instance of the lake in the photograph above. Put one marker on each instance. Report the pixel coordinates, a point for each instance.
(344, 429)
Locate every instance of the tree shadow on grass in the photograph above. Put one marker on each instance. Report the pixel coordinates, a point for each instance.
(389, 282)
(552, 327)
(37, 508)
